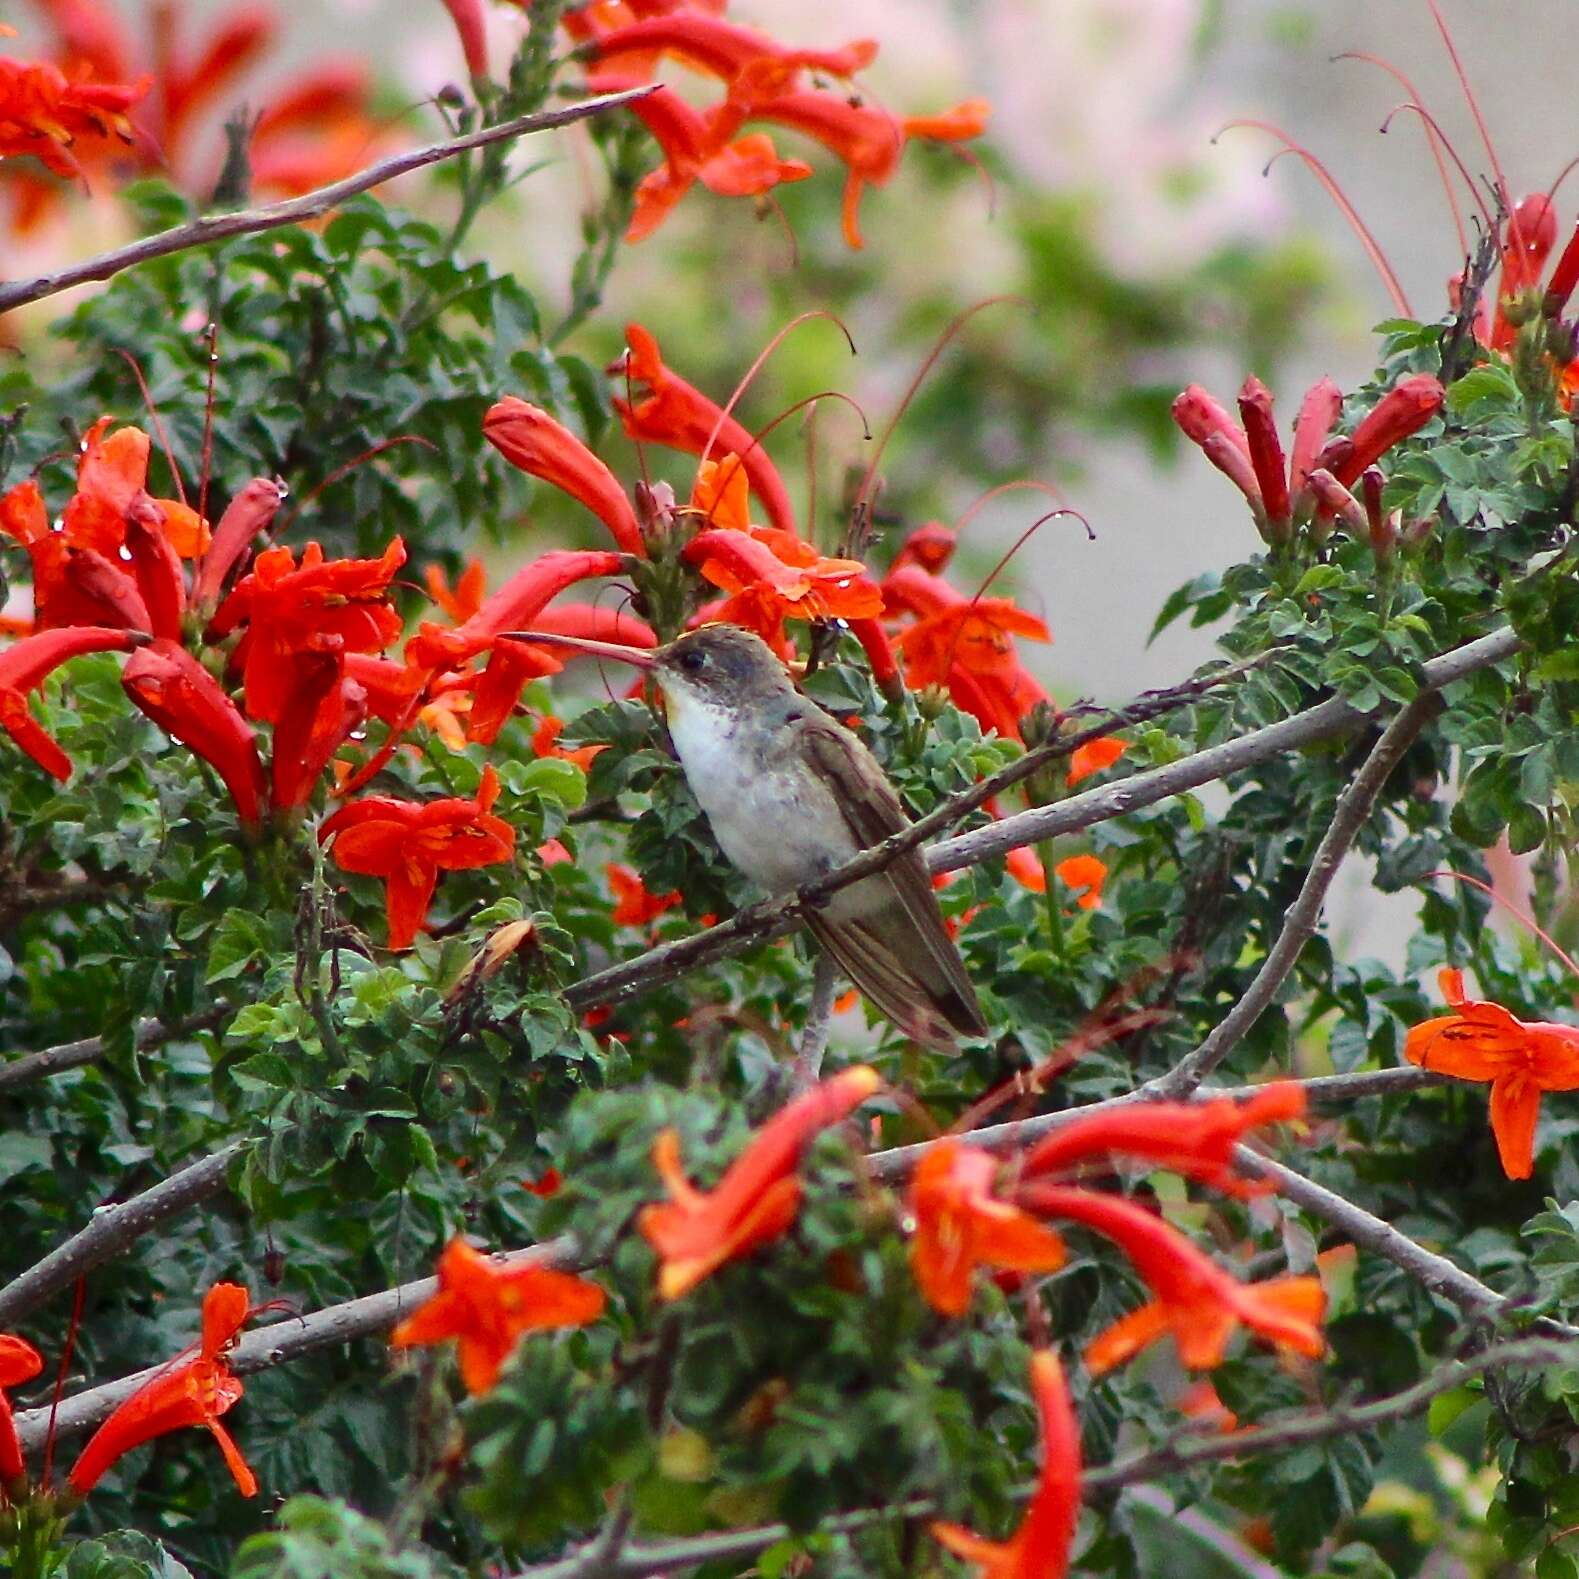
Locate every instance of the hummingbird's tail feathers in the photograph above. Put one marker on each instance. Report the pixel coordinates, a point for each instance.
(930, 1012)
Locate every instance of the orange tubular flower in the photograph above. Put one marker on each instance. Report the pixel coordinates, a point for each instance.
(695, 148)
(1193, 1298)
(408, 844)
(695, 1232)
(43, 113)
(1086, 873)
(1521, 1059)
(19, 1362)
(287, 608)
(187, 702)
(187, 1392)
(1094, 757)
(25, 665)
(636, 905)
(1039, 1549)
(967, 646)
(530, 439)
(488, 1307)
(678, 415)
(789, 580)
(1196, 1139)
(961, 1225)
(249, 513)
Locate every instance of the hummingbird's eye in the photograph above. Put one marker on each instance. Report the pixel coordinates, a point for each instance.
(692, 661)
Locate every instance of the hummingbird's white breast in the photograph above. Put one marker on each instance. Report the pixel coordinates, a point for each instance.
(772, 815)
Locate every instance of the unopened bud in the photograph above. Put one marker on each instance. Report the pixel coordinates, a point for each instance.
(931, 701)
(451, 96)
(1039, 725)
(1383, 529)
(1416, 532)
(502, 944)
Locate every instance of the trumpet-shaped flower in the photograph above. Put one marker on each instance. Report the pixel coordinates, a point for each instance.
(1521, 1059)
(19, 1362)
(1193, 1298)
(407, 844)
(44, 113)
(960, 1225)
(187, 1392)
(25, 665)
(696, 1231)
(287, 608)
(534, 442)
(677, 414)
(635, 904)
(1196, 1139)
(487, 1307)
(189, 704)
(1039, 1549)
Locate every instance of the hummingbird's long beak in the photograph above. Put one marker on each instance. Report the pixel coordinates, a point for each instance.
(640, 657)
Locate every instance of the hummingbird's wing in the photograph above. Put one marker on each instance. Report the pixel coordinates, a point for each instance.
(898, 951)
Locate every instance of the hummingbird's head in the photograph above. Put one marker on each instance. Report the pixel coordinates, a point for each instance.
(718, 666)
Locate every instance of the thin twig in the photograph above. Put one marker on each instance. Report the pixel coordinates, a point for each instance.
(311, 205)
(1350, 815)
(819, 1020)
(113, 1229)
(1185, 1451)
(771, 918)
(28, 1067)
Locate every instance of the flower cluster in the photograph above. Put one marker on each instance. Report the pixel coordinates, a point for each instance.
(764, 82)
(315, 130)
(1311, 489)
(968, 1210)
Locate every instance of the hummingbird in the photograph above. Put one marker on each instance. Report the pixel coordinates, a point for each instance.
(790, 794)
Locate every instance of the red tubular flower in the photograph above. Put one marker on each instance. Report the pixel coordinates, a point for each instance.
(1564, 278)
(1039, 1549)
(408, 844)
(931, 546)
(717, 46)
(635, 904)
(1194, 1299)
(1196, 1139)
(187, 702)
(962, 1225)
(19, 1362)
(322, 708)
(25, 665)
(1318, 413)
(187, 1392)
(678, 415)
(156, 567)
(1266, 452)
(286, 608)
(1404, 409)
(1527, 241)
(530, 439)
(488, 1307)
(1521, 1058)
(695, 1232)
(880, 655)
(248, 514)
(472, 27)
(518, 602)
(462, 600)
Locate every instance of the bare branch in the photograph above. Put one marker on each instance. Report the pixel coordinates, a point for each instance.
(819, 1020)
(311, 205)
(1299, 922)
(28, 1067)
(114, 1228)
(767, 919)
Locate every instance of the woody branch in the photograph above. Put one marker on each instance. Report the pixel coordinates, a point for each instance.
(311, 205)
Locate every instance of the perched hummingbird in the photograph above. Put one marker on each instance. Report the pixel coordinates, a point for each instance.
(791, 794)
